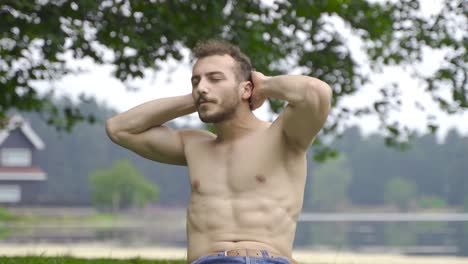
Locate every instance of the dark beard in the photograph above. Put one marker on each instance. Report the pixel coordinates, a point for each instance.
(218, 117)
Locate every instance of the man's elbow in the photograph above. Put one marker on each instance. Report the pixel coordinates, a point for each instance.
(111, 130)
(319, 92)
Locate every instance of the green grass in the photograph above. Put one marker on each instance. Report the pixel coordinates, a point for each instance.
(6, 215)
(71, 260)
(97, 218)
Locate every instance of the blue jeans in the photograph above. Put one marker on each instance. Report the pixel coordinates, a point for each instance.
(221, 259)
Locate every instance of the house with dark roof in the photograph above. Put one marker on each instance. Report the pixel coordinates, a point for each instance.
(20, 177)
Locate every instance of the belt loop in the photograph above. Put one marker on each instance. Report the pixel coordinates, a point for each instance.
(264, 253)
(222, 253)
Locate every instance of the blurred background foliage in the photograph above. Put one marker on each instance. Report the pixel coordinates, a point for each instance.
(277, 35)
(121, 187)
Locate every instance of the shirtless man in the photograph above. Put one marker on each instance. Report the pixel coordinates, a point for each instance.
(248, 178)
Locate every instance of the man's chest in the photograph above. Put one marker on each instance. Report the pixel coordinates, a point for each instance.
(236, 168)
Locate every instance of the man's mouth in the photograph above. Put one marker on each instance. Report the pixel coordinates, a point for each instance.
(200, 102)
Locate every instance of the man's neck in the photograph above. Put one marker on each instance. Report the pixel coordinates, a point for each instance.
(242, 123)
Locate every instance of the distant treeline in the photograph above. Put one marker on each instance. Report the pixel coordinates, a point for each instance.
(367, 173)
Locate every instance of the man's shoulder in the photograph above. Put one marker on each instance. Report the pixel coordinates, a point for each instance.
(193, 134)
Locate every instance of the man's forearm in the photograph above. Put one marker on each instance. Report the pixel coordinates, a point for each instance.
(151, 114)
(292, 88)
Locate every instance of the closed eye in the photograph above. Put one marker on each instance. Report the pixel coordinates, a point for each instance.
(216, 76)
(195, 82)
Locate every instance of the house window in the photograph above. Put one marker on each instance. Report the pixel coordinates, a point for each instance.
(16, 157)
(10, 194)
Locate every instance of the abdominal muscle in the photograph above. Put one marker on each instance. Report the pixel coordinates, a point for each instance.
(253, 221)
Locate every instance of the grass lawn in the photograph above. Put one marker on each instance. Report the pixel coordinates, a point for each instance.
(71, 260)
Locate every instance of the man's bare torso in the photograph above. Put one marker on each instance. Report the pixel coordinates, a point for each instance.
(245, 194)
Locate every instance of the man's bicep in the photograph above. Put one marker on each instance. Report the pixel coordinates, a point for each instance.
(162, 144)
(302, 122)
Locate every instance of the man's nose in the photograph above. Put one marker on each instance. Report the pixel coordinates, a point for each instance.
(202, 87)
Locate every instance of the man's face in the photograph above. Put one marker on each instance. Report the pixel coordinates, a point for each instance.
(215, 89)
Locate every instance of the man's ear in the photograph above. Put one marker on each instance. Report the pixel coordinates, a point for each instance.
(247, 89)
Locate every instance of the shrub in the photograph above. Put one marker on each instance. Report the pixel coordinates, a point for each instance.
(120, 187)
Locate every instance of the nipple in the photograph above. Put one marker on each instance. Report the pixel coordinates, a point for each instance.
(260, 178)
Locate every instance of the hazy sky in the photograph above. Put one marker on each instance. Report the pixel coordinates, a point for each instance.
(174, 79)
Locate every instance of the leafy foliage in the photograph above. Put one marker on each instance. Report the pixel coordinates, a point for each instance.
(120, 187)
(36, 36)
(432, 202)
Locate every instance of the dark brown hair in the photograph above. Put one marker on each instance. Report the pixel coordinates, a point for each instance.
(219, 47)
